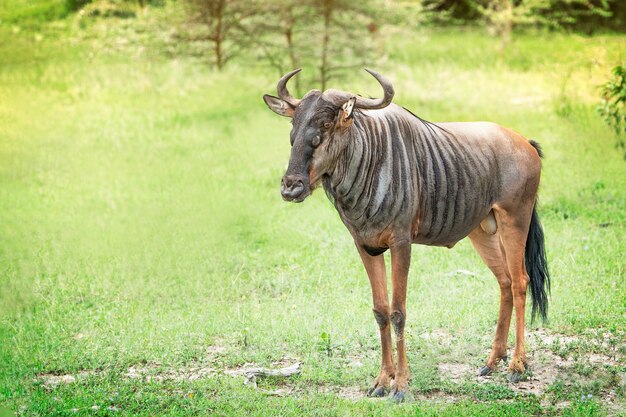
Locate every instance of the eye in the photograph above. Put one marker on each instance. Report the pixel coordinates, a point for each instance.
(327, 125)
(316, 141)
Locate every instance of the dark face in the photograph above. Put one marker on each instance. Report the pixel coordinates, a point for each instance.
(314, 123)
(318, 137)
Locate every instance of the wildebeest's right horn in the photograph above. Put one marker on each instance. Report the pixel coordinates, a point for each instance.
(376, 103)
(281, 88)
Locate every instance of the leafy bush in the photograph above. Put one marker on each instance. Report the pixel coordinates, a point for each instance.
(34, 12)
(110, 8)
(74, 5)
(613, 107)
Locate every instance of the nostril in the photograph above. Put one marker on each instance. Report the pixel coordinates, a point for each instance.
(292, 187)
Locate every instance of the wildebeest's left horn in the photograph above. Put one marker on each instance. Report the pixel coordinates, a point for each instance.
(281, 88)
(376, 103)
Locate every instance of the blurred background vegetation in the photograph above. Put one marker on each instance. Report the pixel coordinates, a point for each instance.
(329, 38)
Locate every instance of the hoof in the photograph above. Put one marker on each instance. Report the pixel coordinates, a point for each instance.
(514, 377)
(398, 397)
(376, 392)
(485, 370)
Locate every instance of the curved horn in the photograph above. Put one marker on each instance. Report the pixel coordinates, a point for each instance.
(376, 103)
(281, 88)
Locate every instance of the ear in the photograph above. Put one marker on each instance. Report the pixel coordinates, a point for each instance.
(346, 112)
(278, 106)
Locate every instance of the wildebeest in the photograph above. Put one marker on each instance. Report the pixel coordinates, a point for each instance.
(397, 179)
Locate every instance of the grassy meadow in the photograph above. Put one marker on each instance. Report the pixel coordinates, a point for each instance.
(145, 248)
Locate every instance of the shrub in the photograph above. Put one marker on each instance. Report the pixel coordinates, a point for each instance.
(613, 106)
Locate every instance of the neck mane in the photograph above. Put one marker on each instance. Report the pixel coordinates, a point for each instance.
(375, 174)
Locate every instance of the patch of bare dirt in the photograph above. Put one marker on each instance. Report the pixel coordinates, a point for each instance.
(546, 338)
(353, 393)
(51, 380)
(457, 372)
(551, 356)
(604, 342)
(441, 336)
(285, 361)
(215, 350)
(250, 372)
(152, 373)
(545, 366)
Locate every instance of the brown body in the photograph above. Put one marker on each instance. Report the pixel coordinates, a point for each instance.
(396, 180)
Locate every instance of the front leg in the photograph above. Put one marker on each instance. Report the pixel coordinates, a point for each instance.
(375, 267)
(400, 261)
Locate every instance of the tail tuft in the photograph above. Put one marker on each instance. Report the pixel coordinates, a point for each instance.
(537, 147)
(537, 267)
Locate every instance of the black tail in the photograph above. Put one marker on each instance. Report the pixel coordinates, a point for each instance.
(537, 267)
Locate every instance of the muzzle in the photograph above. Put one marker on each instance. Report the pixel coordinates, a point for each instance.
(294, 188)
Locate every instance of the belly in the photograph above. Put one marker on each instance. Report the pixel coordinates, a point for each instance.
(449, 228)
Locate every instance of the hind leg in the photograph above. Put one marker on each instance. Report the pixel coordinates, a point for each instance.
(490, 250)
(513, 229)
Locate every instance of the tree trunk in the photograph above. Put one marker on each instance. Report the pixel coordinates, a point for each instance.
(505, 28)
(293, 61)
(328, 8)
(217, 49)
(218, 35)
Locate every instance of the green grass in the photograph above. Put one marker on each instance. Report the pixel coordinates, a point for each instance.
(141, 225)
